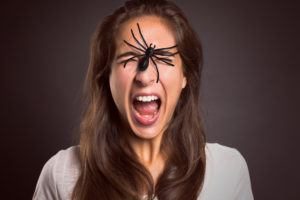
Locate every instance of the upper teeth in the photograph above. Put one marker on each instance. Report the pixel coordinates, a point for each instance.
(146, 98)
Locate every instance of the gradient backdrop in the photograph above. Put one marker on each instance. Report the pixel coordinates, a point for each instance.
(250, 85)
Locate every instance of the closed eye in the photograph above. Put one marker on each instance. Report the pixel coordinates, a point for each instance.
(128, 56)
(163, 60)
(165, 53)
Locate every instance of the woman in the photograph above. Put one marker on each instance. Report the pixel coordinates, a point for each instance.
(142, 136)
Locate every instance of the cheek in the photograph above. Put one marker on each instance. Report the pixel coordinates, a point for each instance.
(172, 80)
(119, 81)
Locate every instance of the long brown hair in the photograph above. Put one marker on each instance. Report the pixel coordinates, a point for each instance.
(110, 169)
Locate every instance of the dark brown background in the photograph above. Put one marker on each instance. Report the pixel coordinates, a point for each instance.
(250, 86)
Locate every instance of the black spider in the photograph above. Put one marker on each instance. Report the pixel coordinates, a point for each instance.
(148, 52)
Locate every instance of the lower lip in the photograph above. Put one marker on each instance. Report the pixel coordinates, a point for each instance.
(143, 120)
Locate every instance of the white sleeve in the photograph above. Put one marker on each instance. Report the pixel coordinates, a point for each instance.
(46, 188)
(243, 187)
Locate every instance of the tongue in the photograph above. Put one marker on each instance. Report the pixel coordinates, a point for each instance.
(146, 108)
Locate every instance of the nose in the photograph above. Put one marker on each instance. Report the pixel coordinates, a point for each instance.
(146, 77)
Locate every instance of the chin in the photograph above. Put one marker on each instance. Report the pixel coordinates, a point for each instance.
(146, 133)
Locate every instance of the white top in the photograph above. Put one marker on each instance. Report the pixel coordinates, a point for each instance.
(226, 176)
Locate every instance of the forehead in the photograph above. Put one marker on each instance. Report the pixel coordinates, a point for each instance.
(154, 29)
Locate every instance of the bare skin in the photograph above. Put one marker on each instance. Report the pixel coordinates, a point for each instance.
(150, 155)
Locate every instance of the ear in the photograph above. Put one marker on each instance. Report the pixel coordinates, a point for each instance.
(183, 82)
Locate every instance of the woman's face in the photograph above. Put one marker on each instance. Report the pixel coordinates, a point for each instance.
(145, 105)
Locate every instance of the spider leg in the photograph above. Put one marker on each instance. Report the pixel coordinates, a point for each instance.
(131, 58)
(166, 48)
(156, 69)
(164, 60)
(137, 40)
(133, 46)
(142, 35)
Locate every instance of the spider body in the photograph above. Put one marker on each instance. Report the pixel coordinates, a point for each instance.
(144, 61)
(148, 52)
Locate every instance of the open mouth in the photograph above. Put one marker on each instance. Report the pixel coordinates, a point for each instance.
(146, 109)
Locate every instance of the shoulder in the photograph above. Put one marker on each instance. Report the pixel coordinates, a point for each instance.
(226, 174)
(220, 154)
(223, 163)
(59, 175)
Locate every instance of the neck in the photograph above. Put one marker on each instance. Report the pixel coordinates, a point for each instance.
(149, 154)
